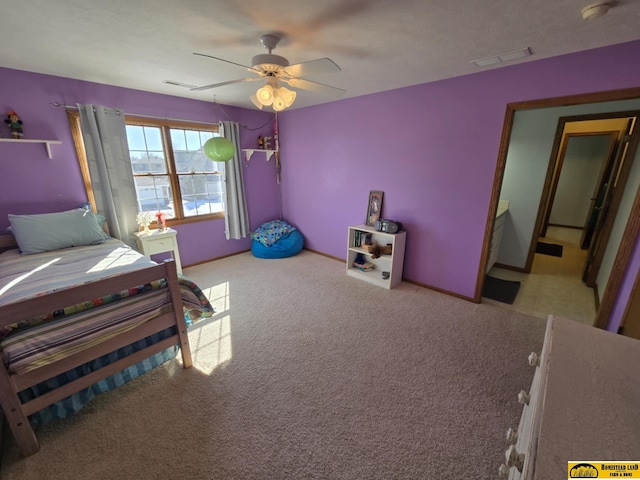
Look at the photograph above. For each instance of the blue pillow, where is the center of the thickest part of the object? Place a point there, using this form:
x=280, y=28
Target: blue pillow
x=52, y=231
x=270, y=232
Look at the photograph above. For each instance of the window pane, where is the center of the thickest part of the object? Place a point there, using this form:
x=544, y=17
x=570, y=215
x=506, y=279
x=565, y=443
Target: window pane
x=135, y=138
x=153, y=136
x=201, y=194
x=193, y=140
x=145, y=150
x=178, y=142
x=154, y=194
x=143, y=162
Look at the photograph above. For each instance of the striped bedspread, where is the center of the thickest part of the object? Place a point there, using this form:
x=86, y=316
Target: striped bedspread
x=30, y=343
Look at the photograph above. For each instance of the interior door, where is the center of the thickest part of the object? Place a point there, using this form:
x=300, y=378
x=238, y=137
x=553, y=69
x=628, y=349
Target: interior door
x=598, y=196
x=617, y=178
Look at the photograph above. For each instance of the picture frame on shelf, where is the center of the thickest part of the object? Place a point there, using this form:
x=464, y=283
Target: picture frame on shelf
x=374, y=208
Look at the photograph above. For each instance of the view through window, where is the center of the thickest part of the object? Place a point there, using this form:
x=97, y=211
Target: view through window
x=172, y=174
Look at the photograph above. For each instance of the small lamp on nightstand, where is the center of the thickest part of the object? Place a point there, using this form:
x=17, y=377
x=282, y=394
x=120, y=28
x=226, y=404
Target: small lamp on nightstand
x=144, y=219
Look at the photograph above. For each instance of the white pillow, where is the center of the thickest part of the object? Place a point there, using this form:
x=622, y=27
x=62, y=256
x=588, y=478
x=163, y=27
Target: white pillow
x=52, y=231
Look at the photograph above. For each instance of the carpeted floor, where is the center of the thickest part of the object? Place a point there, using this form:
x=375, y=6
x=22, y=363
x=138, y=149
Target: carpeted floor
x=307, y=373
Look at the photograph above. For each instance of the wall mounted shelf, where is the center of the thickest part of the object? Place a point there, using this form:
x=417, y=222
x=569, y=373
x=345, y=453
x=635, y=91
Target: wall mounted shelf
x=250, y=151
x=48, y=143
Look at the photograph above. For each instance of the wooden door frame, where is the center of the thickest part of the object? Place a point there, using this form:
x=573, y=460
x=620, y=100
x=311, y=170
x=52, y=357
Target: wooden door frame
x=559, y=164
x=633, y=225
x=635, y=291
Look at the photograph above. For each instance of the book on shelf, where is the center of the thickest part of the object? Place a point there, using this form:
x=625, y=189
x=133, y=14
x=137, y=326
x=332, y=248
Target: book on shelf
x=365, y=267
x=360, y=238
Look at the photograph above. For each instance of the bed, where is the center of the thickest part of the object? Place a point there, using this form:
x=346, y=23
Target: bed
x=81, y=320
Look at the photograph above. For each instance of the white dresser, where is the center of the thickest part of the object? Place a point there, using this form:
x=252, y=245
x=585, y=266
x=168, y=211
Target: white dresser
x=583, y=404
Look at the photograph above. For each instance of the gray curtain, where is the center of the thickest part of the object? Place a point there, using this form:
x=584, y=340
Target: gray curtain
x=236, y=218
x=105, y=141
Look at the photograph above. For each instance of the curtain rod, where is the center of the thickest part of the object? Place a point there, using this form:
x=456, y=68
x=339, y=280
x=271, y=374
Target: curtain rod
x=216, y=105
x=74, y=107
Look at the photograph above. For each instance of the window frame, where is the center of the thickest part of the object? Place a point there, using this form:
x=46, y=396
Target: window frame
x=165, y=125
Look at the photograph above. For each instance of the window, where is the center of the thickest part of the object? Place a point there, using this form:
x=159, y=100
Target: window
x=170, y=170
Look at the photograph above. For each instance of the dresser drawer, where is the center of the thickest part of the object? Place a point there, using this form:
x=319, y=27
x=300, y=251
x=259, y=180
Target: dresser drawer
x=529, y=420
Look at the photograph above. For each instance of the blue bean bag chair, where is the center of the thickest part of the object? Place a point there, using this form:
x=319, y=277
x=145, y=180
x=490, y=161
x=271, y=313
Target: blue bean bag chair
x=276, y=239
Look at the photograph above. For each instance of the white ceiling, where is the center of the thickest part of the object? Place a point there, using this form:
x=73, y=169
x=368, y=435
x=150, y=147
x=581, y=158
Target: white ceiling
x=379, y=44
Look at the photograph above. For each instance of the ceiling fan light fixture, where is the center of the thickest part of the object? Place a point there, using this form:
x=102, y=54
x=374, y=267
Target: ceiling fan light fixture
x=279, y=104
x=255, y=101
x=265, y=95
x=287, y=95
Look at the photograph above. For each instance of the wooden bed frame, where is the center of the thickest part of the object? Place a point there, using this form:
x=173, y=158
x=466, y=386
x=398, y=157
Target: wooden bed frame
x=16, y=412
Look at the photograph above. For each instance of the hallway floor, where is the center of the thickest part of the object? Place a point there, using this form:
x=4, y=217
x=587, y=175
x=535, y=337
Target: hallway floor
x=554, y=285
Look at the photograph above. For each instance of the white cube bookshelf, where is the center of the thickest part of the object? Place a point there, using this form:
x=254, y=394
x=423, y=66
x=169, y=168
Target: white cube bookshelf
x=392, y=263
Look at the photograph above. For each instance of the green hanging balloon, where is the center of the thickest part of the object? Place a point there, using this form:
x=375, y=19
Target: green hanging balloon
x=219, y=149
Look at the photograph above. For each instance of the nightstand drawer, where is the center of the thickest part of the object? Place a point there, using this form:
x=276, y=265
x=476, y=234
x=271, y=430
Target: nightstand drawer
x=158, y=245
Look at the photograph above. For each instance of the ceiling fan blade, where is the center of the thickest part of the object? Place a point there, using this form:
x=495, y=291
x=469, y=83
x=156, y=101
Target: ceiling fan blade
x=222, y=84
x=250, y=69
x=312, y=67
x=315, y=87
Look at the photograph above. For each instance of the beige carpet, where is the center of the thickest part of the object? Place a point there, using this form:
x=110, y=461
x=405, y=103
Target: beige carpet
x=307, y=373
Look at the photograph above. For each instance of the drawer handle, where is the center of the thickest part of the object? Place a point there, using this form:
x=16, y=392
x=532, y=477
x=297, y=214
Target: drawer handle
x=512, y=436
x=513, y=458
x=503, y=471
x=534, y=360
x=524, y=397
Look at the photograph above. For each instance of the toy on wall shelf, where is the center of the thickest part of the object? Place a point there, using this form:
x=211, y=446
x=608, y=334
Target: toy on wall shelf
x=260, y=142
x=15, y=124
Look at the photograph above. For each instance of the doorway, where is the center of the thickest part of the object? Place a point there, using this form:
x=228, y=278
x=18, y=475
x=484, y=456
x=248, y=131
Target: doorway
x=583, y=103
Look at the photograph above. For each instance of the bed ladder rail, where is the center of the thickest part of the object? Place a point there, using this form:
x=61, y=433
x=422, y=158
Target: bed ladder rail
x=16, y=418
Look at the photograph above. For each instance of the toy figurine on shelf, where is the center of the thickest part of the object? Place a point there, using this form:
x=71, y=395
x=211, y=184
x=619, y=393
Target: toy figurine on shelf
x=267, y=142
x=260, y=142
x=15, y=124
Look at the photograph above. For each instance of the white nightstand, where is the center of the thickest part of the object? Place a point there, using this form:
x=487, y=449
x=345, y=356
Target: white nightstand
x=160, y=241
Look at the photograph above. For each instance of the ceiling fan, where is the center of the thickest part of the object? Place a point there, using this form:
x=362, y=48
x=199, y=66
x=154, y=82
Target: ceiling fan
x=274, y=69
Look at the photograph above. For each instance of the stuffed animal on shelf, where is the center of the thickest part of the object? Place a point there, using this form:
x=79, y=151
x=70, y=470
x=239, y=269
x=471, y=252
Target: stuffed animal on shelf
x=15, y=124
x=376, y=250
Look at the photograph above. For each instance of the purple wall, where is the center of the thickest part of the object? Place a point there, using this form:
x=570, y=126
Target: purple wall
x=432, y=149
x=30, y=182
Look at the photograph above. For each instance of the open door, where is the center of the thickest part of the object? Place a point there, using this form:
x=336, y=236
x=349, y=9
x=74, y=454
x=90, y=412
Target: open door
x=611, y=195
x=597, y=198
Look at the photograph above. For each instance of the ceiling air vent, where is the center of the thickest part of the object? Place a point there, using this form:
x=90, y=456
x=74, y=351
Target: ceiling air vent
x=503, y=57
x=178, y=84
